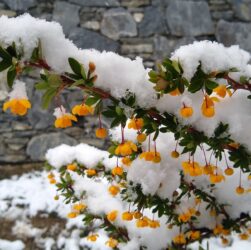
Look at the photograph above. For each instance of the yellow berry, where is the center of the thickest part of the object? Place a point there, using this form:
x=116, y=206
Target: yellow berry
x=126, y=161
x=72, y=215
x=117, y=171
x=229, y=171
x=141, y=137
x=71, y=167
x=50, y=176
x=137, y=215
x=91, y=172
x=243, y=236
x=239, y=190
x=52, y=181
x=128, y=216
x=112, y=243
x=112, y=215
x=186, y=112
x=79, y=206
x=92, y=237
x=56, y=197
x=101, y=133
x=175, y=154
x=113, y=190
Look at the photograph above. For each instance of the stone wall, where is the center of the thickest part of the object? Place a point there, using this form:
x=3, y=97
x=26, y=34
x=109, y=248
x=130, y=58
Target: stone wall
x=150, y=29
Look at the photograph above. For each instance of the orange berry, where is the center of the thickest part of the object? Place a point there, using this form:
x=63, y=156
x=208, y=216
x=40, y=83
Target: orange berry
x=52, y=181
x=50, y=176
x=224, y=241
x=175, y=154
x=112, y=243
x=229, y=171
x=79, y=206
x=179, y=239
x=113, y=190
x=72, y=215
x=137, y=215
x=117, y=171
x=126, y=161
x=17, y=106
x=186, y=112
x=239, y=190
x=92, y=237
x=141, y=137
x=101, y=133
x=141, y=223
x=127, y=216
x=71, y=167
x=92, y=67
x=82, y=110
x=154, y=224
x=112, y=215
x=91, y=172
x=243, y=236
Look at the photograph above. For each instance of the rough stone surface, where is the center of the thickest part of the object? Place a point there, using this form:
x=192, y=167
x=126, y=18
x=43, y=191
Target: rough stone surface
x=118, y=23
x=137, y=48
x=189, y=18
x=230, y=33
x=134, y=3
x=20, y=4
x=242, y=9
x=153, y=22
x=96, y=3
x=87, y=39
x=67, y=14
x=38, y=145
x=93, y=25
x=8, y=13
x=164, y=46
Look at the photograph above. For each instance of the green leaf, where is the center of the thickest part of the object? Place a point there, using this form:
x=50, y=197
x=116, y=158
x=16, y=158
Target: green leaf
x=42, y=85
x=92, y=100
x=198, y=80
x=78, y=82
x=243, y=79
x=211, y=84
x=54, y=80
x=109, y=113
x=176, y=66
x=4, y=65
x=47, y=97
x=76, y=67
x=119, y=111
x=5, y=55
x=116, y=122
x=11, y=75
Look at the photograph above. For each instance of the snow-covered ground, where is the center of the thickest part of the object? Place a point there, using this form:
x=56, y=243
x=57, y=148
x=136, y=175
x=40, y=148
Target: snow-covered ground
x=24, y=197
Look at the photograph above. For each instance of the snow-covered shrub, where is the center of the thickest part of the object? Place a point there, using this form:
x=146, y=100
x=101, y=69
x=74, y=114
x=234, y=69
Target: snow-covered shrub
x=178, y=166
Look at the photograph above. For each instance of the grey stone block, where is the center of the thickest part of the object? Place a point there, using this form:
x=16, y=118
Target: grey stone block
x=67, y=15
x=38, y=145
x=118, y=23
x=153, y=22
x=20, y=4
x=97, y=3
x=230, y=33
x=189, y=18
x=87, y=39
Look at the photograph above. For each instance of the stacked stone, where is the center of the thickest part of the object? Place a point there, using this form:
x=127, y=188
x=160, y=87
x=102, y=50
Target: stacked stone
x=151, y=29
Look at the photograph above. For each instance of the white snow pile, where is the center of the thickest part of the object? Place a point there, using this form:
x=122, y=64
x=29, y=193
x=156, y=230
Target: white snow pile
x=11, y=245
x=161, y=179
